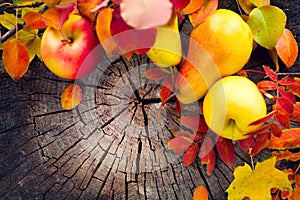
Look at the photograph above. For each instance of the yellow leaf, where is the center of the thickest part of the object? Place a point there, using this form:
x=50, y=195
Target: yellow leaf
x=15, y=58
x=256, y=184
x=8, y=20
x=71, y=96
x=31, y=40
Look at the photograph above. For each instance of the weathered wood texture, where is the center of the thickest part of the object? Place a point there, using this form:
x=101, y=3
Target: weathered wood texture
x=111, y=146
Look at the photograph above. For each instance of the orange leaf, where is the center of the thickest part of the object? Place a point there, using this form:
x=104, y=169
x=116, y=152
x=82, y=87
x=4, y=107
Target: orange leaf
x=56, y=16
x=34, y=20
x=295, y=87
x=156, y=73
x=15, y=58
x=287, y=48
x=246, y=5
x=208, y=155
x=179, y=144
x=103, y=31
x=296, y=192
x=285, y=105
x=270, y=73
x=51, y=2
x=289, y=139
x=226, y=151
x=71, y=96
x=275, y=130
x=290, y=97
x=166, y=89
x=246, y=144
x=282, y=117
x=264, y=119
x=194, y=122
x=295, y=116
x=262, y=141
x=207, y=8
x=287, y=155
x=193, y=6
x=85, y=7
x=190, y=155
x=267, y=85
x=200, y=193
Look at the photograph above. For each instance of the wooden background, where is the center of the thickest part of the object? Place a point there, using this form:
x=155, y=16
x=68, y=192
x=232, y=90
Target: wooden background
x=111, y=146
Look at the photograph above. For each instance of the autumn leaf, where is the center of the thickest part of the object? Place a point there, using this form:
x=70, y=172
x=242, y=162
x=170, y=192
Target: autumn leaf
x=290, y=139
x=8, y=20
x=193, y=6
x=194, y=122
x=285, y=105
x=286, y=81
x=58, y=14
x=274, y=57
x=246, y=5
x=51, y=2
x=246, y=144
x=286, y=155
x=295, y=116
x=267, y=85
x=295, y=87
x=15, y=58
x=30, y=38
x=260, y=3
x=267, y=24
x=207, y=8
x=180, y=4
x=226, y=151
x=275, y=129
x=282, y=117
x=200, y=193
x=270, y=73
x=287, y=95
x=190, y=155
x=166, y=89
x=156, y=73
x=85, y=8
x=208, y=155
x=257, y=183
x=179, y=144
x=71, y=97
x=296, y=193
x=34, y=20
x=150, y=13
x=287, y=48
x=261, y=142
x=264, y=119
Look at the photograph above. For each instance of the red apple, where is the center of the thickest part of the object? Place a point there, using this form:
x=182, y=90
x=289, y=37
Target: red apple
x=73, y=51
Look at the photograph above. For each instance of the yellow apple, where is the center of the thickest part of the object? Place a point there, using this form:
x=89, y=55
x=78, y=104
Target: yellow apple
x=220, y=46
x=73, y=51
x=231, y=104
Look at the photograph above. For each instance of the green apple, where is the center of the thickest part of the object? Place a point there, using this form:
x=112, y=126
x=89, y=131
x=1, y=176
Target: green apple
x=231, y=104
x=73, y=51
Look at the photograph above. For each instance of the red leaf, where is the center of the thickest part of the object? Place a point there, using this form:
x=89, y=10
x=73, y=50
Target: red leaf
x=289, y=139
x=285, y=105
x=275, y=130
x=129, y=39
x=180, y=4
x=183, y=134
x=179, y=144
x=267, y=85
x=286, y=81
x=194, y=122
x=200, y=193
x=190, y=155
x=287, y=48
x=282, y=118
x=34, y=20
x=142, y=14
x=262, y=141
x=226, y=151
x=287, y=95
x=156, y=73
x=246, y=144
x=208, y=155
x=295, y=116
x=264, y=119
x=56, y=16
x=15, y=58
x=166, y=89
x=270, y=73
x=295, y=87
x=208, y=7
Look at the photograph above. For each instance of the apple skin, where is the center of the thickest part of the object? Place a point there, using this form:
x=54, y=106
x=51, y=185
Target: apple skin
x=231, y=104
x=76, y=57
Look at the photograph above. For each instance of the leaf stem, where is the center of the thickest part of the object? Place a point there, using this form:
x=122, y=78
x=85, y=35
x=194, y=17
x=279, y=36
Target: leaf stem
x=238, y=5
x=252, y=163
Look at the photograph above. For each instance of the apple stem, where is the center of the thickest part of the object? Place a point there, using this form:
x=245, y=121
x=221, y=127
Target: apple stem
x=67, y=40
x=161, y=107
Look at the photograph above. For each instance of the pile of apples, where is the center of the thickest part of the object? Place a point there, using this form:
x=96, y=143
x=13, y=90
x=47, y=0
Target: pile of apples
x=218, y=48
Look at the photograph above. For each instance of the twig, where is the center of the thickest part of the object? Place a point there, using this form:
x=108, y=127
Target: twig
x=33, y=5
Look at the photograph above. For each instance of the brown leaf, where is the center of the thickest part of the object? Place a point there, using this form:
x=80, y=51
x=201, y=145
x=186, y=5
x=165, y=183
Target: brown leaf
x=71, y=96
x=15, y=58
x=273, y=55
x=34, y=20
x=295, y=87
x=200, y=193
x=246, y=5
x=289, y=139
x=56, y=16
x=179, y=144
x=287, y=48
x=226, y=151
x=267, y=85
x=156, y=73
x=295, y=116
x=207, y=8
x=262, y=141
x=190, y=155
x=270, y=73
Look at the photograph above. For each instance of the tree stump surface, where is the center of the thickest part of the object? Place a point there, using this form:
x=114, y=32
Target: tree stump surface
x=112, y=146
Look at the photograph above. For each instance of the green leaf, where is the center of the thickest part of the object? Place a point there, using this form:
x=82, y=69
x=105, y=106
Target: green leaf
x=267, y=24
x=260, y=3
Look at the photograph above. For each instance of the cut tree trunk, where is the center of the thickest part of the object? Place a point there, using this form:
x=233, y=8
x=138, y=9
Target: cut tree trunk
x=112, y=146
